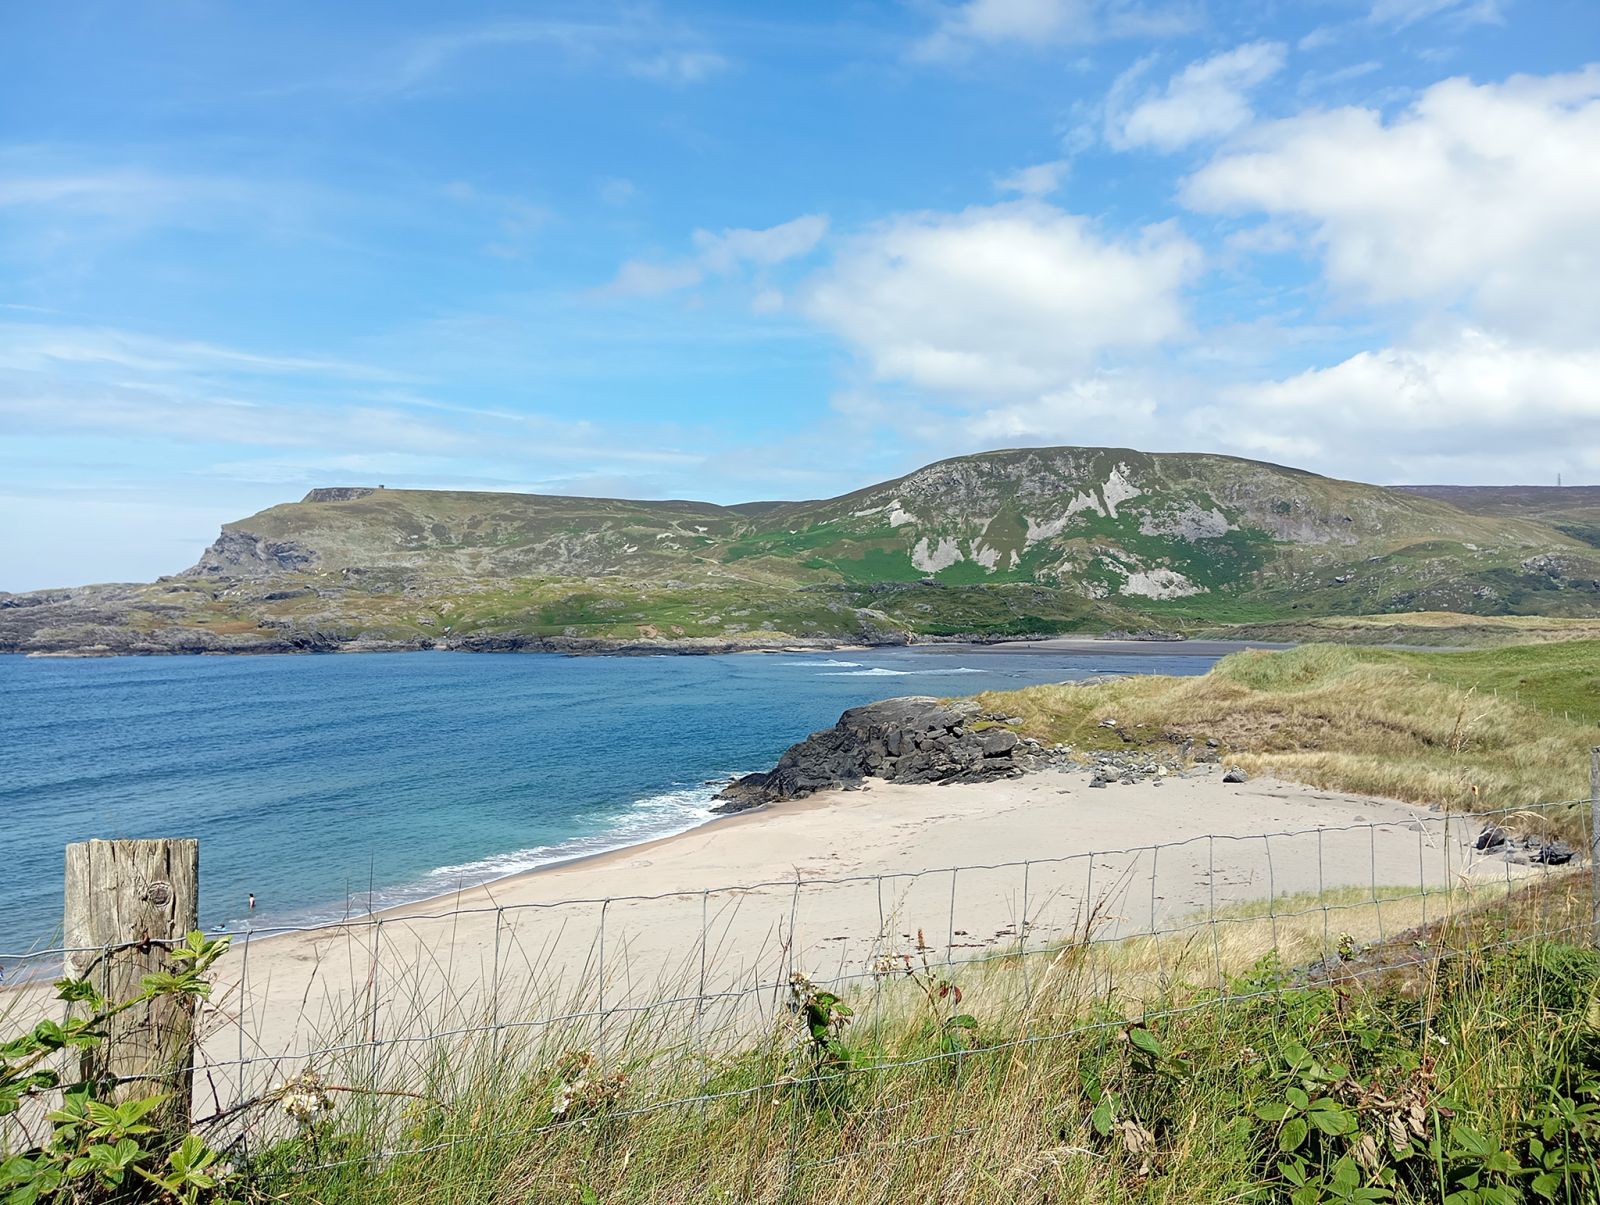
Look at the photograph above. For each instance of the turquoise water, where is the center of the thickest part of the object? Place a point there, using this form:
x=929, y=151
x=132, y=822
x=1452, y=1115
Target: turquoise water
x=325, y=785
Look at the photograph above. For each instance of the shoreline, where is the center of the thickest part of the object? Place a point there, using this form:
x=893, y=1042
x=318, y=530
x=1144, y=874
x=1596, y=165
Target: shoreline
x=829, y=885
x=705, y=926
x=599, y=647
x=482, y=896
x=452, y=902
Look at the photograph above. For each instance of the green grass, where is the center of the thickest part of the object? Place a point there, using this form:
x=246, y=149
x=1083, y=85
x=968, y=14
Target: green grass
x=1426, y=628
x=1560, y=678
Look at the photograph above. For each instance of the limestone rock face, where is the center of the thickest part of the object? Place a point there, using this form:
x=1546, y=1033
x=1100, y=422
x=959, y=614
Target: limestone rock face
x=909, y=740
x=242, y=554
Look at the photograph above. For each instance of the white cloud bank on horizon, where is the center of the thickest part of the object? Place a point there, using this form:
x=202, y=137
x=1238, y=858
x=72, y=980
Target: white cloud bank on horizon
x=1475, y=209
x=1461, y=394
x=1482, y=194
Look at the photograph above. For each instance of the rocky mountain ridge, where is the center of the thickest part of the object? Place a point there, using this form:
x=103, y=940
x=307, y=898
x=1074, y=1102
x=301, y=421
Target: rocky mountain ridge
x=1033, y=541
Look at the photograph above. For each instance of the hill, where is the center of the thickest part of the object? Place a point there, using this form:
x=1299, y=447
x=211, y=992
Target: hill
x=1573, y=510
x=1009, y=543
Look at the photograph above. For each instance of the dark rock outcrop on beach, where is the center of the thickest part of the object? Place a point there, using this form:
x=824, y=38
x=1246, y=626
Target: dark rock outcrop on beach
x=1529, y=850
x=910, y=740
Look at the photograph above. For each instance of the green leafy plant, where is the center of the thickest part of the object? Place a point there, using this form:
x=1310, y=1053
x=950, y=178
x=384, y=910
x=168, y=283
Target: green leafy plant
x=1563, y=1143
x=98, y=1147
x=1129, y=1091
x=954, y=1031
x=825, y=1057
x=825, y=1016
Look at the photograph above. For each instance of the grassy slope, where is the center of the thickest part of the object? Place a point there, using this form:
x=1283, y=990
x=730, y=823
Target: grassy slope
x=1573, y=509
x=1424, y=728
x=1477, y=1019
x=1298, y=541
x=1013, y=1123
x=1428, y=628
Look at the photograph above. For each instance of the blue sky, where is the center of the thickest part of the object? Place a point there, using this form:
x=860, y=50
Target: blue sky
x=737, y=251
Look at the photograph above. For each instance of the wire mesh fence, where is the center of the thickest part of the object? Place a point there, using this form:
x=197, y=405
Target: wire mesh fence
x=665, y=988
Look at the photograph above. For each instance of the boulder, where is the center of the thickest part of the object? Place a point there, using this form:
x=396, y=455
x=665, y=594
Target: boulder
x=1234, y=774
x=999, y=743
x=910, y=740
x=1554, y=853
x=1493, y=837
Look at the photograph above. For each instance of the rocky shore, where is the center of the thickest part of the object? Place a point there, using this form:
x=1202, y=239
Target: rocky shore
x=190, y=617
x=919, y=740
x=910, y=740
x=137, y=621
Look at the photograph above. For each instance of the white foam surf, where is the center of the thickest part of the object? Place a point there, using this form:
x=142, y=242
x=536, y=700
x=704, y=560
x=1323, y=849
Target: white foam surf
x=647, y=819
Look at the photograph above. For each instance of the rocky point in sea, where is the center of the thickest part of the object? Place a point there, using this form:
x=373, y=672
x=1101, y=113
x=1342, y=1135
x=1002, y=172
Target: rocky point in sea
x=920, y=739
x=911, y=740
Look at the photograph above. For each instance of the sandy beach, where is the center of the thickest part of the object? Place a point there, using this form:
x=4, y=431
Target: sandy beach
x=1102, y=645
x=712, y=921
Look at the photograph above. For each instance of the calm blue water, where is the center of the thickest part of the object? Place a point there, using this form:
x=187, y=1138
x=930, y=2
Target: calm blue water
x=325, y=784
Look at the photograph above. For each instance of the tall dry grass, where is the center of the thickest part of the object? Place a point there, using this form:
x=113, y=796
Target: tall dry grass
x=900, y=1113
x=1327, y=716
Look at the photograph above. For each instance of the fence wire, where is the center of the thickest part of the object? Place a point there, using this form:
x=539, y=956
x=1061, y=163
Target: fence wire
x=661, y=982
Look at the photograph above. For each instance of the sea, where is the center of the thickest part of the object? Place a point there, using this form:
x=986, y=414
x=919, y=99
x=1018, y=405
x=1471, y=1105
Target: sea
x=328, y=786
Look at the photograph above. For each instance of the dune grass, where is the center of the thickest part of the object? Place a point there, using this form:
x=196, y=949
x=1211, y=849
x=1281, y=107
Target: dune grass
x=1092, y=1072
x=1422, y=728
x=1428, y=628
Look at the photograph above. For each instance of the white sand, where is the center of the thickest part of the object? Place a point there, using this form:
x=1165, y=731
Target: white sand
x=827, y=886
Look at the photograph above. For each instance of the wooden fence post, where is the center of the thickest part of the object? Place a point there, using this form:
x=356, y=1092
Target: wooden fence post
x=126, y=901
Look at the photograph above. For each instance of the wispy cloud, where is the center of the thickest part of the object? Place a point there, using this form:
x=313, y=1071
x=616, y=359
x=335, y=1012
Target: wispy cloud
x=37, y=347
x=515, y=220
x=1206, y=99
x=971, y=24
x=678, y=66
x=1321, y=81
x=724, y=253
x=1401, y=13
x=633, y=44
x=102, y=382
x=1036, y=180
x=56, y=193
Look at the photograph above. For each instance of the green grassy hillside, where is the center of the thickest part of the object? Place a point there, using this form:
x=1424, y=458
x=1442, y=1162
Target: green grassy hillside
x=1024, y=542
x=1433, y=628
x=1573, y=510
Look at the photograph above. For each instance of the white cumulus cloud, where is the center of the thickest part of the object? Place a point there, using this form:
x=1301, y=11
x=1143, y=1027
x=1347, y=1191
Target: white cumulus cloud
x=1469, y=396
x=1478, y=195
x=1007, y=298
